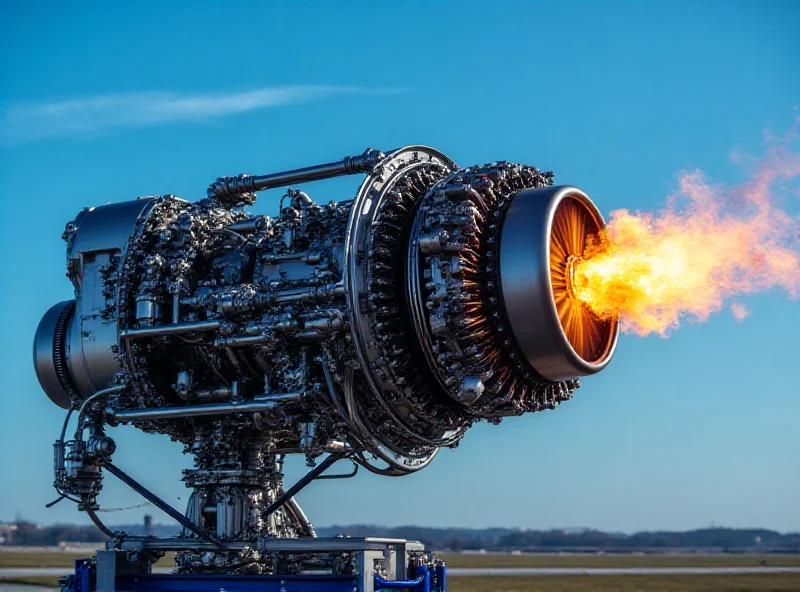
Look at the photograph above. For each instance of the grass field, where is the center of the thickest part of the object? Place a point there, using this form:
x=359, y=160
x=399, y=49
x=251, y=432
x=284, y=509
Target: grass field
x=55, y=559
x=620, y=560
x=720, y=583
x=631, y=583
x=66, y=559
x=37, y=559
x=733, y=583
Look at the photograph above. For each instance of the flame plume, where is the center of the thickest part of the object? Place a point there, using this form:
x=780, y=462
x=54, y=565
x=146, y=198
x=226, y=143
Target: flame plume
x=706, y=247
x=588, y=334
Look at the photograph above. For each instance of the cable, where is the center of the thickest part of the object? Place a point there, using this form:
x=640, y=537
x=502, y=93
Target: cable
x=67, y=496
x=66, y=422
x=55, y=501
x=99, y=523
x=125, y=508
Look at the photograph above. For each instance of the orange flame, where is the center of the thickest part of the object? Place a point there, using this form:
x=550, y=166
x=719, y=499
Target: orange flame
x=707, y=246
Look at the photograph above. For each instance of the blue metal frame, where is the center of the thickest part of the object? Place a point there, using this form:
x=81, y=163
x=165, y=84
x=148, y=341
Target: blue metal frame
x=233, y=583
x=85, y=580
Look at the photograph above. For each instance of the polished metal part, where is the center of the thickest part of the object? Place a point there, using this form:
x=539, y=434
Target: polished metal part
x=159, y=503
x=257, y=405
x=527, y=285
x=380, y=328
x=49, y=354
x=226, y=187
x=174, y=329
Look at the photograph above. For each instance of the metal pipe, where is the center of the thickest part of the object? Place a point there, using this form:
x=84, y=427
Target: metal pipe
x=308, y=478
x=82, y=413
x=263, y=403
x=160, y=504
x=309, y=294
x=176, y=307
x=248, y=225
x=240, y=340
x=311, y=257
x=281, y=397
x=295, y=509
x=140, y=543
x=99, y=523
x=384, y=584
x=349, y=165
x=173, y=329
x=352, y=473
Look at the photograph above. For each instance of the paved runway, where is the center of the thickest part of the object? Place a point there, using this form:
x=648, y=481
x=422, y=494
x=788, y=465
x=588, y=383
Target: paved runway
x=21, y=572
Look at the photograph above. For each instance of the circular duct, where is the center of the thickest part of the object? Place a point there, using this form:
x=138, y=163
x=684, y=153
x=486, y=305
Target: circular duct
x=50, y=354
x=543, y=236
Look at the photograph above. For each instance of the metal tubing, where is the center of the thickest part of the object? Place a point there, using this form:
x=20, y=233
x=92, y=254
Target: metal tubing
x=99, y=523
x=173, y=329
x=308, y=478
x=257, y=405
x=295, y=508
x=99, y=394
x=248, y=225
x=384, y=584
x=161, y=504
x=349, y=165
x=341, y=475
x=310, y=294
x=240, y=340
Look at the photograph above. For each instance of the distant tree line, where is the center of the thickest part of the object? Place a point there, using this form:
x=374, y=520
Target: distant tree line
x=29, y=534
x=507, y=539
x=465, y=539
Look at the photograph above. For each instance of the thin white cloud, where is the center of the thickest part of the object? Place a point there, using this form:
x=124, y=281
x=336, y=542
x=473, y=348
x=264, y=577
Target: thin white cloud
x=93, y=115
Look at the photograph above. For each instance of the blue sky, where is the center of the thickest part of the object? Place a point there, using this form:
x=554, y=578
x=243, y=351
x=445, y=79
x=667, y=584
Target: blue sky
x=104, y=102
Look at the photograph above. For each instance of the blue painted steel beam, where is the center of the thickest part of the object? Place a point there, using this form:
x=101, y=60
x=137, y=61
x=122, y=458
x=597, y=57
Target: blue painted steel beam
x=233, y=583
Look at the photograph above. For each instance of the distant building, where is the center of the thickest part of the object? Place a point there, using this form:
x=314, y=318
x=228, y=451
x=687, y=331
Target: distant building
x=7, y=532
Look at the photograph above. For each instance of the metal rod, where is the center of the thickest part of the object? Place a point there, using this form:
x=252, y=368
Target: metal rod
x=311, y=294
x=161, y=504
x=308, y=478
x=349, y=165
x=140, y=543
x=173, y=329
x=259, y=404
x=241, y=340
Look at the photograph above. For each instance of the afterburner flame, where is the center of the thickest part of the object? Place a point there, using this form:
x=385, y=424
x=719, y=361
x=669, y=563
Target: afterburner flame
x=709, y=245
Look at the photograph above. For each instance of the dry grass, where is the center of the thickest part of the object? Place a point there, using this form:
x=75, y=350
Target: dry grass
x=620, y=560
x=38, y=559
x=626, y=583
x=717, y=583
x=55, y=559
